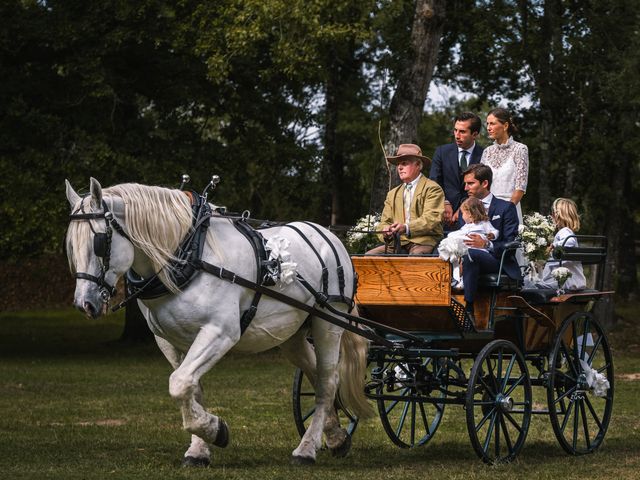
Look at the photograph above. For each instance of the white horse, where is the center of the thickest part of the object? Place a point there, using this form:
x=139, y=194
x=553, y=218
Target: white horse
x=197, y=326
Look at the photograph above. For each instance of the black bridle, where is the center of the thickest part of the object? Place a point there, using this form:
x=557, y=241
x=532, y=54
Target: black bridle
x=101, y=246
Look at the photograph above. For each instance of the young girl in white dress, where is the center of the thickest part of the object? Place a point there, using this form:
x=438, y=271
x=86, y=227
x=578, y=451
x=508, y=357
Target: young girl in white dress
x=565, y=215
x=476, y=221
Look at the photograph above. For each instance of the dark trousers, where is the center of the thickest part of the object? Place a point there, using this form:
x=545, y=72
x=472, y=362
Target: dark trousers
x=475, y=263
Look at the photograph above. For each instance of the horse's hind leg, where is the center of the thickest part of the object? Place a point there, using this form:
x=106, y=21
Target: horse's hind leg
x=327, y=349
x=198, y=454
x=299, y=351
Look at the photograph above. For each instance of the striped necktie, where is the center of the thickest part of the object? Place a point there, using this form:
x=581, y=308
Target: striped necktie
x=463, y=160
x=406, y=196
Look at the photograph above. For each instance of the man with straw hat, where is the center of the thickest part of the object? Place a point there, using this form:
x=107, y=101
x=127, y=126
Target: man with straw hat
x=414, y=208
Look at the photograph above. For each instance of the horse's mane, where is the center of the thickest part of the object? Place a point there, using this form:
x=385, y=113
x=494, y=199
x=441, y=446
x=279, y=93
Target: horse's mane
x=157, y=220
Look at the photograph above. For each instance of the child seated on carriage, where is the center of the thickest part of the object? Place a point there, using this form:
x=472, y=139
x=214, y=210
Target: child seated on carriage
x=565, y=215
x=476, y=220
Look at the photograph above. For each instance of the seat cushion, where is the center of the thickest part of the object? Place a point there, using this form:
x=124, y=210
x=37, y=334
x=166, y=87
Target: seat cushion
x=491, y=280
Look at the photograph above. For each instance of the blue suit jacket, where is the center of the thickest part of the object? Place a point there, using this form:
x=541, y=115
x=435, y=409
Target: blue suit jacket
x=445, y=171
x=504, y=217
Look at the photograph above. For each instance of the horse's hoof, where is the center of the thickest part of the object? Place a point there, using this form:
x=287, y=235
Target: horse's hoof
x=302, y=461
x=222, y=437
x=201, y=462
x=342, y=450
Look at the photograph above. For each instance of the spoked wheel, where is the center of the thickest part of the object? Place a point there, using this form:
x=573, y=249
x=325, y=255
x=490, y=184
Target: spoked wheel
x=401, y=390
x=580, y=390
x=304, y=398
x=498, y=403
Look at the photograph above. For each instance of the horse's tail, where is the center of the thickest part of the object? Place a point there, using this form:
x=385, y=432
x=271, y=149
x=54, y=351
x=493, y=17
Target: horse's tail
x=353, y=373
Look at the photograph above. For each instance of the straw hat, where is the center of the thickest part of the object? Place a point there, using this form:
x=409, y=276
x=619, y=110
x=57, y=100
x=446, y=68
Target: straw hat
x=407, y=151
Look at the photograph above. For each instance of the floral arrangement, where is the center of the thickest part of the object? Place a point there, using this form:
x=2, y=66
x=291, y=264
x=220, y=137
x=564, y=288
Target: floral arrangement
x=561, y=274
x=536, y=234
x=359, y=238
x=285, y=270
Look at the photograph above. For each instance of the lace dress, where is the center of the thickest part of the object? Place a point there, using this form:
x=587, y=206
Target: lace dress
x=510, y=165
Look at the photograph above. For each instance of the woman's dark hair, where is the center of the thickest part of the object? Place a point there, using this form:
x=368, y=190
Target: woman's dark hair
x=504, y=116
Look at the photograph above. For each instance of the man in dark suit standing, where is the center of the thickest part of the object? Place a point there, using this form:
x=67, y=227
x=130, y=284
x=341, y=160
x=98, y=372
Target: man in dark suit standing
x=449, y=161
x=504, y=217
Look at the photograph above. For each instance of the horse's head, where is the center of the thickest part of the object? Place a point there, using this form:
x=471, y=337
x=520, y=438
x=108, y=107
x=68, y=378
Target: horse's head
x=98, y=248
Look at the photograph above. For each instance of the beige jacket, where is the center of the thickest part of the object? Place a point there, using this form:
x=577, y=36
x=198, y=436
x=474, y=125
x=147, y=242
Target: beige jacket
x=427, y=208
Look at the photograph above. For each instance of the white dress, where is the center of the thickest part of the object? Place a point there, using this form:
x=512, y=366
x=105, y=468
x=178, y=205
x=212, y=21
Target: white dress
x=577, y=280
x=509, y=163
x=483, y=229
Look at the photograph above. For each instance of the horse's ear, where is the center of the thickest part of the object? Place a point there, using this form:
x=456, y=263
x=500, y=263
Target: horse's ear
x=72, y=196
x=96, y=193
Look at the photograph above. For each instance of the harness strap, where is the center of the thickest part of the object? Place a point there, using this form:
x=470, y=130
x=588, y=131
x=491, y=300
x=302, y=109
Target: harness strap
x=325, y=272
x=257, y=244
x=350, y=324
x=335, y=253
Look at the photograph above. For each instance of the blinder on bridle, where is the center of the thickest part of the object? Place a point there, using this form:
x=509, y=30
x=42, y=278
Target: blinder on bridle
x=101, y=246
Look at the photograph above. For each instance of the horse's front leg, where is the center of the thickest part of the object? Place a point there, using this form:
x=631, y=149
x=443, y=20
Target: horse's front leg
x=198, y=453
x=208, y=348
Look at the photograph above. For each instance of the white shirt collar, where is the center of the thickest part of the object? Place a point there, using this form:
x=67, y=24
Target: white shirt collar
x=414, y=182
x=486, y=201
x=470, y=149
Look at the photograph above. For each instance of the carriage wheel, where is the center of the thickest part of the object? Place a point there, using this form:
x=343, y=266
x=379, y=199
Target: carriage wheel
x=579, y=408
x=304, y=405
x=498, y=403
x=407, y=418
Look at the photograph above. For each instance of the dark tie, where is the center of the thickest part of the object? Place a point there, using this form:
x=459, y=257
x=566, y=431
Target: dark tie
x=463, y=159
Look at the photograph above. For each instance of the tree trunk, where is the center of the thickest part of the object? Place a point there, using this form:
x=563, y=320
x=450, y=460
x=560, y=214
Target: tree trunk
x=332, y=158
x=407, y=104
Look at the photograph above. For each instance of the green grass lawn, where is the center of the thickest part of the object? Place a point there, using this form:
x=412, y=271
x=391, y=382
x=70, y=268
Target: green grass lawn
x=75, y=403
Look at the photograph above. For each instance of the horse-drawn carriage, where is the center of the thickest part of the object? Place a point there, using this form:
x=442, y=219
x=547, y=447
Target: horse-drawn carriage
x=533, y=351
x=207, y=286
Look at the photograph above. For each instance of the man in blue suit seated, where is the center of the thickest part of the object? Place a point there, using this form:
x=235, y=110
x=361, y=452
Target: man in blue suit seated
x=503, y=216
x=450, y=160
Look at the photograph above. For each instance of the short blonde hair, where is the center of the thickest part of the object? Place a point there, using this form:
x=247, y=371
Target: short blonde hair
x=565, y=212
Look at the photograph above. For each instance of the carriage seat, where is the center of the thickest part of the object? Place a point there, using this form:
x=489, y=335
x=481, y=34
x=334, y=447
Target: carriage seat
x=494, y=280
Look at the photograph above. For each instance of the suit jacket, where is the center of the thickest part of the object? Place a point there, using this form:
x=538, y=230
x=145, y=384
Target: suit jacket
x=504, y=217
x=427, y=207
x=446, y=172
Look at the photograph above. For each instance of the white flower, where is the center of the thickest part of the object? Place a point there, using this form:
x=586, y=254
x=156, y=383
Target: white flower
x=288, y=272
x=520, y=229
x=596, y=380
x=277, y=246
x=561, y=273
x=542, y=242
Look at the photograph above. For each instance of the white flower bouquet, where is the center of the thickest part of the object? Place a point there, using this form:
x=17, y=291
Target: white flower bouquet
x=561, y=274
x=536, y=234
x=360, y=237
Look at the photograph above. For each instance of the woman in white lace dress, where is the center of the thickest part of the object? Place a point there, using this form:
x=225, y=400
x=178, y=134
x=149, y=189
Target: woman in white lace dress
x=508, y=159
